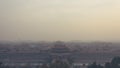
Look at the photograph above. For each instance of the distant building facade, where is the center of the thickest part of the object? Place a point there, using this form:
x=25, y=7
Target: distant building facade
x=60, y=51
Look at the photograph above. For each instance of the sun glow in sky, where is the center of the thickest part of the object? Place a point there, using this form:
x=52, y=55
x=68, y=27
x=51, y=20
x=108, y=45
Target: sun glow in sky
x=50, y=20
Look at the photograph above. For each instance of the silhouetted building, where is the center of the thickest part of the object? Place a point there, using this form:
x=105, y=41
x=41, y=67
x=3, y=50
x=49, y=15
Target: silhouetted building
x=60, y=51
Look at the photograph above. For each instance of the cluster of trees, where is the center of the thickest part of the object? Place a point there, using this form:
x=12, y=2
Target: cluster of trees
x=57, y=64
x=115, y=63
x=94, y=65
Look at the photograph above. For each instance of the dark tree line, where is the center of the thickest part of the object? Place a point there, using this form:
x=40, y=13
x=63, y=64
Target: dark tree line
x=115, y=63
x=57, y=64
x=94, y=65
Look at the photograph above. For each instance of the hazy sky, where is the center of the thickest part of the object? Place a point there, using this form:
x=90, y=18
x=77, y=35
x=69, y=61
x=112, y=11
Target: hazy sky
x=65, y=20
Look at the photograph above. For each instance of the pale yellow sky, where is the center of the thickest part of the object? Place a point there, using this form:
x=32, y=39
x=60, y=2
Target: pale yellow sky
x=51, y=20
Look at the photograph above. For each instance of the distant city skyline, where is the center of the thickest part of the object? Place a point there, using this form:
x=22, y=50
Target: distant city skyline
x=64, y=20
